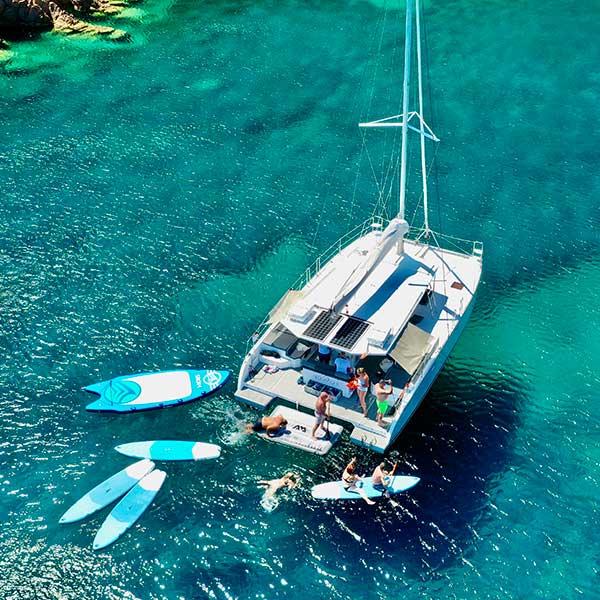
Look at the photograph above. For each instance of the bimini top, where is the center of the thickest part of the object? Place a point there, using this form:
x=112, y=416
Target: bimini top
x=362, y=299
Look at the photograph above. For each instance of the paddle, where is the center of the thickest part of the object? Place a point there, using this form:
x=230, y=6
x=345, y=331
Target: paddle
x=387, y=494
x=327, y=433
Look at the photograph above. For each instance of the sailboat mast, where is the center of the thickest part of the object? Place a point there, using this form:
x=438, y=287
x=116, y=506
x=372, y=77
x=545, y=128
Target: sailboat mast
x=405, y=94
x=422, y=128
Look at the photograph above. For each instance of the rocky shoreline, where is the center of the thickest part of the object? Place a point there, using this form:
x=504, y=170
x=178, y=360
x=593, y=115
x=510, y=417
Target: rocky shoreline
x=65, y=16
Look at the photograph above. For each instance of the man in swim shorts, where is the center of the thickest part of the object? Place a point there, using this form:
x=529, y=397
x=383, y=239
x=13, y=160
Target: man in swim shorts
x=268, y=425
x=322, y=412
x=382, y=479
x=382, y=394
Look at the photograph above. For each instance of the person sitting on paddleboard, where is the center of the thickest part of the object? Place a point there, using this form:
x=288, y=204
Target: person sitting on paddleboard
x=289, y=480
x=322, y=412
x=350, y=480
x=382, y=478
x=268, y=425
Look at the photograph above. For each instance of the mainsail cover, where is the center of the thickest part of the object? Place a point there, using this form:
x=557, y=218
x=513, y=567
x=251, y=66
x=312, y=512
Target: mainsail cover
x=393, y=233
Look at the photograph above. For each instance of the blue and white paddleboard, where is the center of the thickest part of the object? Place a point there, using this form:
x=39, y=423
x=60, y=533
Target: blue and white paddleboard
x=334, y=490
x=170, y=450
x=108, y=491
x=129, y=510
x=154, y=390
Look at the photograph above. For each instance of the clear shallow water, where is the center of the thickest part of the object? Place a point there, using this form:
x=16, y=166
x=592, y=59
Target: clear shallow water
x=158, y=197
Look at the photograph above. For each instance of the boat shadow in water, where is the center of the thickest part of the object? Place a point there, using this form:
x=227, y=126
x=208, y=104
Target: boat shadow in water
x=459, y=443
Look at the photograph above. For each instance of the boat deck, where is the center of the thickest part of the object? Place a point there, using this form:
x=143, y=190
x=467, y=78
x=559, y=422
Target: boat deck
x=264, y=387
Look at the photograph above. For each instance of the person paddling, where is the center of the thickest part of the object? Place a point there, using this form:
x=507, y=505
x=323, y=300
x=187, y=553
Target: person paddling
x=382, y=480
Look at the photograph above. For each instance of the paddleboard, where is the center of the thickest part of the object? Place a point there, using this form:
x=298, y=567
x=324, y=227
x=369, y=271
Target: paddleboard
x=129, y=510
x=298, y=432
x=170, y=450
x=145, y=391
x=107, y=491
x=334, y=490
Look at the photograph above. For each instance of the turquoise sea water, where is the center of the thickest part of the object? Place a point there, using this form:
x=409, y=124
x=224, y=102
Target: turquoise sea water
x=157, y=198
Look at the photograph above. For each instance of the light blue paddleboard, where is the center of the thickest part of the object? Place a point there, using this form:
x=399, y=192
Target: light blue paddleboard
x=145, y=391
x=129, y=510
x=334, y=490
x=108, y=491
x=170, y=450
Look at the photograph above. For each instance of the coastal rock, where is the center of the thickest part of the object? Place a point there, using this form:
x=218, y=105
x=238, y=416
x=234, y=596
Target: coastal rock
x=25, y=14
x=65, y=22
x=91, y=7
x=61, y=15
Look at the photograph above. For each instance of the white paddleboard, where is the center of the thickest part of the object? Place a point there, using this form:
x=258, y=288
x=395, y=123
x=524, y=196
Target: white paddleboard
x=334, y=490
x=170, y=450
x=107, y=491
x=129, y=510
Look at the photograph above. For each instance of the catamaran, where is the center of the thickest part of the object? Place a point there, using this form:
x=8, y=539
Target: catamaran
x=386, y=297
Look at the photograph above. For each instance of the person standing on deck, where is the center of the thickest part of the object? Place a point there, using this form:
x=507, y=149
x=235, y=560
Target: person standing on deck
x=342, y=364
x=382, y=394
x=362, y=389
x=322, y=412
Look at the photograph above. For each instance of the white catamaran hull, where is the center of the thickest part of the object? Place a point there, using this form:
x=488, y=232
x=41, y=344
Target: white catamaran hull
x=387, y=302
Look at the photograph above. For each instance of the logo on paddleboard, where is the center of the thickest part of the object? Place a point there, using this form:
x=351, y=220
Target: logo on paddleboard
x=211, y=379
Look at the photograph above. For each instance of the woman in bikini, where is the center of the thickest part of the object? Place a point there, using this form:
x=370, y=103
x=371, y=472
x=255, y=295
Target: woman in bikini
x=350, y=480
x=363, y=388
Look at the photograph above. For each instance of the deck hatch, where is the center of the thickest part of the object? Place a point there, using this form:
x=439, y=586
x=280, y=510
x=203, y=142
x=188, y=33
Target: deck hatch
x=320, y=328
x=349, y=333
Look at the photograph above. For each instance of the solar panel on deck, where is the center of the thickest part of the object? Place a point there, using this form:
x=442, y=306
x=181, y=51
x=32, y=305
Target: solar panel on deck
x=322, y=325
x=349, y=333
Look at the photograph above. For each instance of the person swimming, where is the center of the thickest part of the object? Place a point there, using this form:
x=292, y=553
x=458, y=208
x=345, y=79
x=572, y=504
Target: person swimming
x=290, y=480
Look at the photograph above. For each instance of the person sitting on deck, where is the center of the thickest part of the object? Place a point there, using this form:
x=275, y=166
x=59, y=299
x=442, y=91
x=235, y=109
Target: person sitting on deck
x=322, y=412
x=350, y=480
x=342, y=364
x=269, y=425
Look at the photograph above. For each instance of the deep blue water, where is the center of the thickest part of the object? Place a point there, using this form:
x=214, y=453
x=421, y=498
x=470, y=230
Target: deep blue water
x=157, y=198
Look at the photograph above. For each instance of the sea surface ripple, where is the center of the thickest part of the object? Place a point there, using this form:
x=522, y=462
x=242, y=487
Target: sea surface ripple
x=157, y=198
